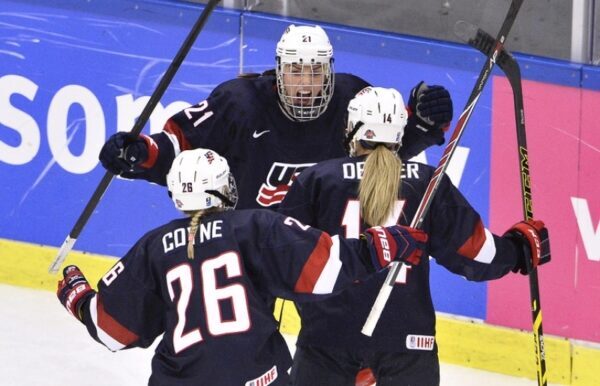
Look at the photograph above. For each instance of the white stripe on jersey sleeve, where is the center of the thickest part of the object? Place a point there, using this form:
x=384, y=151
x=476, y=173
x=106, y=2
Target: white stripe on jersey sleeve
x=488, y=249
x=331, y=271
x=174, y=141
x=106, y=339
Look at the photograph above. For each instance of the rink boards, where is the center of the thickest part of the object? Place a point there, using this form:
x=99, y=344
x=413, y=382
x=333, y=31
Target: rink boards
x=69, y=78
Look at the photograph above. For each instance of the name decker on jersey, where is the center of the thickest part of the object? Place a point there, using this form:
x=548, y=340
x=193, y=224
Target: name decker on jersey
x=354, y=170
x=280, y=178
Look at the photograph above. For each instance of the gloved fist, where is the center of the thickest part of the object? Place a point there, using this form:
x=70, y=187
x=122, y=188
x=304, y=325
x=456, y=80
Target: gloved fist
x=124, y=152
x=533, y=236
x=430, y=107
x=72, y=289
x=395, y=243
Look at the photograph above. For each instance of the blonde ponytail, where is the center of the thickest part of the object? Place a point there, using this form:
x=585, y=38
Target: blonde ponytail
x=379, y=186
x=195, y=217
x=194, y=223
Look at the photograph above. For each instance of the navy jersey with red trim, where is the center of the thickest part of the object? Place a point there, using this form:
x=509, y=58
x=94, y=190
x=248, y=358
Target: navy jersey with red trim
x=215, y=309
x=243, y=121
x=325, y=196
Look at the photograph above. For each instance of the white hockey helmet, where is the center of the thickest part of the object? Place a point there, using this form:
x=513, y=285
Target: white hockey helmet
x=200, y=179
x=305, y=78
x=376, y=115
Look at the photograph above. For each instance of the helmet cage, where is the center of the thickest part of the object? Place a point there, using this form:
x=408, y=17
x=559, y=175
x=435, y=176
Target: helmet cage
x=304, y=72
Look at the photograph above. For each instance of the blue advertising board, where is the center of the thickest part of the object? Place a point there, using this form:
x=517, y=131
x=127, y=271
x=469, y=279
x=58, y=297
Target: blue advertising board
x=71, y=74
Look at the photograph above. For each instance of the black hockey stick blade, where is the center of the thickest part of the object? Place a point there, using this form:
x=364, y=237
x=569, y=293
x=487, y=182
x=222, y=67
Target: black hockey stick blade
x=386, y=289
x=481, y=40
x=185, y=48
x=484, y=43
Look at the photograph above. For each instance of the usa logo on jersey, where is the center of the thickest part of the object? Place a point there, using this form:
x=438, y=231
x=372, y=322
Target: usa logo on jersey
x=280, y=178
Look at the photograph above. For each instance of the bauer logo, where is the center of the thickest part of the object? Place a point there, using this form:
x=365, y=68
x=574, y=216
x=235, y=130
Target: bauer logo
x=420, y=342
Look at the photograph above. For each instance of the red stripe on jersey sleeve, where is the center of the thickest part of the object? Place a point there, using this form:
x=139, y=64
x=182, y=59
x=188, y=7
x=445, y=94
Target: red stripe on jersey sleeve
x=174, y=129
x=113, y=328
x=314, y=265
x=473, y=245
x=152, y=152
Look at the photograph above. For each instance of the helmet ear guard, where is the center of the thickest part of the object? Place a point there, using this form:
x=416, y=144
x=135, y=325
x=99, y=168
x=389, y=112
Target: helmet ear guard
x=304, y=72
x=200, y=179
x=376, y=116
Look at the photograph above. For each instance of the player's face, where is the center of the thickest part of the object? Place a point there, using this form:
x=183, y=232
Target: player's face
x=303, y=83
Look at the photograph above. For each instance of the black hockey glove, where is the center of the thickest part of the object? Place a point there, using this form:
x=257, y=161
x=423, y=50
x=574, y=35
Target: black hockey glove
x=429, y=115
x=430, y=108
x=532, y=235
x=395, y=243
x=72, y=289
x=124, y=152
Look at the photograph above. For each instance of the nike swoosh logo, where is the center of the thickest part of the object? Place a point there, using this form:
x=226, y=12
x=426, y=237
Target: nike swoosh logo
x=257, y=134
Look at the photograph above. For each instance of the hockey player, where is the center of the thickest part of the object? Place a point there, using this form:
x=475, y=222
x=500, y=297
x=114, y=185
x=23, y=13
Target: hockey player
x=343, y=196
x=273, y=126
x=205, y=282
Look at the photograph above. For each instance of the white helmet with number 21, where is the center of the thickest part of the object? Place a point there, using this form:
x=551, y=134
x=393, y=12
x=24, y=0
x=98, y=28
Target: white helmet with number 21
x=305, y=78
x=200, y=179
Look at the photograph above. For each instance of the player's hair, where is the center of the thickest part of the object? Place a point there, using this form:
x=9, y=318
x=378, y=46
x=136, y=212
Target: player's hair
x=195, y=217
x=378, y=189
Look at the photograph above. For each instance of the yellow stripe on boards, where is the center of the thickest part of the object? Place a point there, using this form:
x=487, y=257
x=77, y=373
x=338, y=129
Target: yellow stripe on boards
x=26, y=265
x=586, y=358
x=500, y=349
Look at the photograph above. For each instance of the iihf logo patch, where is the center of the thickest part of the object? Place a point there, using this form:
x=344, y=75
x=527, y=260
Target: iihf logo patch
x=420, y=342
x=264, y=380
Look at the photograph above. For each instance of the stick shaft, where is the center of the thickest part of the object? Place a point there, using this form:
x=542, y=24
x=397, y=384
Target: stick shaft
x=69, y=242
x=433, y=185
x=511, y=69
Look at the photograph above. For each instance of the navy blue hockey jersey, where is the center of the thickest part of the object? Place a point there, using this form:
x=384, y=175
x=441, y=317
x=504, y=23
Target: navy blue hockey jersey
x=325, y=196
x=243, y=121
x=213, y=309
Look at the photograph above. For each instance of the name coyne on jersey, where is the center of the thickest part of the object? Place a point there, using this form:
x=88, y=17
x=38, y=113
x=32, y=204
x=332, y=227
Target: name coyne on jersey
x=178, y=237
x=354, y=170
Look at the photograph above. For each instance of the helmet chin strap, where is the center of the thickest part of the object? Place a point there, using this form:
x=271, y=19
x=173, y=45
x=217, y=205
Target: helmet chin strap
x=221, y=196
x=370, y=145
x=350, y=136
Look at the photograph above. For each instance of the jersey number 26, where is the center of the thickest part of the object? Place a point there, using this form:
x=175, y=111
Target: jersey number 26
x=234, y=294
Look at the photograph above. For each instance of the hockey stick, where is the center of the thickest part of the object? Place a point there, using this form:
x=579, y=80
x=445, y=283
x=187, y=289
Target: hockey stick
x=483, y=41
x=137, y=128
x=417, y=222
